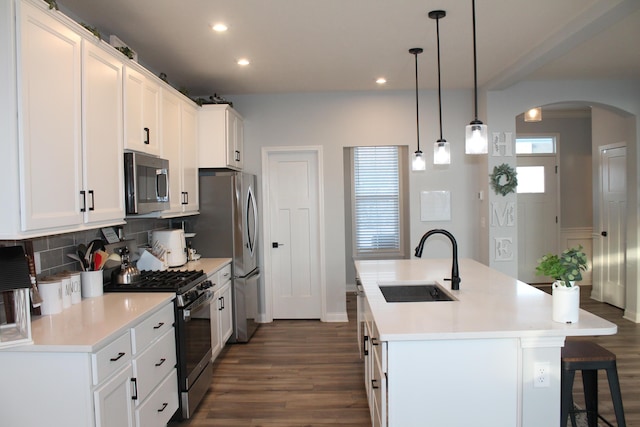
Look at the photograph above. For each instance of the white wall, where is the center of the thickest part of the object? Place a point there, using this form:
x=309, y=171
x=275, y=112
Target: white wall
x=337, y=120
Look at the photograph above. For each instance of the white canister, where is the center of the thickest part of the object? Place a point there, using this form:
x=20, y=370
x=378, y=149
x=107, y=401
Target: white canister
x=566, y=303
x=91, y=282
x=51, y=292
x=65, y=282
x=76, y=289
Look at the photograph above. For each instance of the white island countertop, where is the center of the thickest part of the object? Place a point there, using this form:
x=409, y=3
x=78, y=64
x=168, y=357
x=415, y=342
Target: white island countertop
x=92, y=323
x=489, y=304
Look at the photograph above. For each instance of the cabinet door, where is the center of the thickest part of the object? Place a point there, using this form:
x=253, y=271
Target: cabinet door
x=50, y=148
x=234, y=127
x=226, y=313
x=189, y=141
x=113, y=401
x=102, y=135
x=216, y=304
x=171, y=147
x=141, y=113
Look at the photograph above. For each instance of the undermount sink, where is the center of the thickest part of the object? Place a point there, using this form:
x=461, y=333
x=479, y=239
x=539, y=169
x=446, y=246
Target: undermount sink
x=415, y=293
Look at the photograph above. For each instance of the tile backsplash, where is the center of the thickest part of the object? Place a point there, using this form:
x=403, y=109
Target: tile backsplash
x=53, y=250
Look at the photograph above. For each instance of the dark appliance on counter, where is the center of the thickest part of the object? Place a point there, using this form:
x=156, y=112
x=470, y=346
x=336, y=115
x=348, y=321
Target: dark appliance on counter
x=192, y=327
x=227, y=227
x=146, y=183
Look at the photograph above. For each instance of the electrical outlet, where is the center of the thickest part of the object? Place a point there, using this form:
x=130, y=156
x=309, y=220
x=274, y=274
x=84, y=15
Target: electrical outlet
x=150, y=237
x=541, y=374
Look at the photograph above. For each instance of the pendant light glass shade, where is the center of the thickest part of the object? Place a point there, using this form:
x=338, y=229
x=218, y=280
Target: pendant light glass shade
x=441, y=153
x=476, y=140
x=417, y=164
x=533, y=115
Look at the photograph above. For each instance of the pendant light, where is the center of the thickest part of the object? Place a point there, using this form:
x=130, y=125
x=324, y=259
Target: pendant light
x=417, y=164
x=533, y=115
x=441, y=148
x=476, y=141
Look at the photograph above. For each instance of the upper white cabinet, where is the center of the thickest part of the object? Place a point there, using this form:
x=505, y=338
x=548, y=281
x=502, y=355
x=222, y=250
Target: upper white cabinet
x=102, y=135
x=50, y=121
x=220, y=137
x=179, y=146
x=142, y=104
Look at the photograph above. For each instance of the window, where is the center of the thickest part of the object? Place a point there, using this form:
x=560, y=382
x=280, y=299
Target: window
x=536, y=145
x=530, y=179
x=377, y=202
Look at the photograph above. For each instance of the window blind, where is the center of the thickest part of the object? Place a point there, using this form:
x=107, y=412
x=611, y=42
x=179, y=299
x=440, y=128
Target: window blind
x=376, y=195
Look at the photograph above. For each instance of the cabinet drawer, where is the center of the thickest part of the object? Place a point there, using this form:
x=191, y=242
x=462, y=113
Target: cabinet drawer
x=154, y=363
x=224, y=274
x=161, y=405
x=152, y=328
x=111, y=358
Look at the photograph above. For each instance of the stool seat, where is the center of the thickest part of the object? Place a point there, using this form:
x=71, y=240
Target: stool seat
x=588, y=357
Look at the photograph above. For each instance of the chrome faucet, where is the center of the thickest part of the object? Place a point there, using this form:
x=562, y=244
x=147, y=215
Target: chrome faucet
x=455, y=275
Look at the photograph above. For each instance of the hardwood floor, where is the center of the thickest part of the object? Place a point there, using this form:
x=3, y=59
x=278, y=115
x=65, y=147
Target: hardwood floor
x=291, y=373
x=308, y=373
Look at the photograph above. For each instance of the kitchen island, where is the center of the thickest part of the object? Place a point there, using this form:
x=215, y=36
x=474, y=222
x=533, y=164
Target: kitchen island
x=490, y=357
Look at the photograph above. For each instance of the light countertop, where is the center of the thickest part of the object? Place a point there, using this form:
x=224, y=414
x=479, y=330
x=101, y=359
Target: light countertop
x=489, y=304
x=92, y=323
x=208, y=265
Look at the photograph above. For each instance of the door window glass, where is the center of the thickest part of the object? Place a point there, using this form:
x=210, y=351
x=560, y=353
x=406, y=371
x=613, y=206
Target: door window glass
x=530, y=179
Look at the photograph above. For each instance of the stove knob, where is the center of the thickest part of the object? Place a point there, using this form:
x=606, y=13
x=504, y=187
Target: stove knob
x=206, y=284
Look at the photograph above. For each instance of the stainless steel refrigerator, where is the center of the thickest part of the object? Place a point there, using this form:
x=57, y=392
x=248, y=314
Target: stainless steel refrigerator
x=227, y=227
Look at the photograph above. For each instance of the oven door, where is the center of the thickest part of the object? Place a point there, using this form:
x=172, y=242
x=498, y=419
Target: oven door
x=194, y=339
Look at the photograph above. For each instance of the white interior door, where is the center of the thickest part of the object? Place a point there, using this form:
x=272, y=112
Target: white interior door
x=613, y=169
x=537, y=213
x=293, y=230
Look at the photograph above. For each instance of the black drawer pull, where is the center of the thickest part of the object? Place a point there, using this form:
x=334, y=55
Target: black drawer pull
x=134, y=392
x=161, y=362
x=374, y=384
x=164, y=406
x=113, y=359
x=159, y=325
x=374, y=341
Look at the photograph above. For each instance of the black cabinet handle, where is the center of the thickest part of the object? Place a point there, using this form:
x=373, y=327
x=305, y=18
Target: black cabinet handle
x=237, y=156
x=134, y=393
x=364, y=344
x=161, y=362
x=113, y=359
x=164, y=405
x=603, y=233
x=146, y=135
x=374, y=341
x=83, y=200
x=374, y=384
x=91, y=196
x=159, y=325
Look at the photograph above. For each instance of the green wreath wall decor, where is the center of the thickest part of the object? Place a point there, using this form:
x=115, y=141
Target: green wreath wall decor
x=504, y=179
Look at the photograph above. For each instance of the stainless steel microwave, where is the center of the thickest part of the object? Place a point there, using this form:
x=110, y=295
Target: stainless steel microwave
x=146, y=183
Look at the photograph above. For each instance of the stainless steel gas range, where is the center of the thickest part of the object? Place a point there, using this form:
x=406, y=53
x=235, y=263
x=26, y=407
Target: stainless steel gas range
x=193, y=328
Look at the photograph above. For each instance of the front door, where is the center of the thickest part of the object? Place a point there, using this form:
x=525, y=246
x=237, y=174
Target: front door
x=293, y=229
x=613, y=171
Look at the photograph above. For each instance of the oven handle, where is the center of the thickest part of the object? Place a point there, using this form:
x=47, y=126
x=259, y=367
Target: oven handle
x=203, y=299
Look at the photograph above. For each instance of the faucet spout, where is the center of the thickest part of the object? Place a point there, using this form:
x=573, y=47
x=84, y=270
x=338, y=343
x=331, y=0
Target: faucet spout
x=455, y=275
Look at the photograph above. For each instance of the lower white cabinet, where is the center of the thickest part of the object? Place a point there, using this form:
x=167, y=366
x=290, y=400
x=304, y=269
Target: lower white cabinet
x=221, y=310
x=129, y=382
x=374, y=353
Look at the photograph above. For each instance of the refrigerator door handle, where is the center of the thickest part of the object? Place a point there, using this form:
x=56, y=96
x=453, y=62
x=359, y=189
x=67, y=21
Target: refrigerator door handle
x=254, y=272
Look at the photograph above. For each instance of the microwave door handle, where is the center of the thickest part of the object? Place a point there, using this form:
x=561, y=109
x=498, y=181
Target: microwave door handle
x=161, y=174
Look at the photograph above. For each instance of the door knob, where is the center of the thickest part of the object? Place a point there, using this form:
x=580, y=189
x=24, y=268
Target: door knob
x=275, y=245
x=603, y=233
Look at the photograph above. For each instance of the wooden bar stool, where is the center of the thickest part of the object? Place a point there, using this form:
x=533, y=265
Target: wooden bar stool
x=588, y=357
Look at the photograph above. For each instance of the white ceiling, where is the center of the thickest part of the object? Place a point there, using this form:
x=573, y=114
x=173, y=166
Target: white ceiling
x=344, y=45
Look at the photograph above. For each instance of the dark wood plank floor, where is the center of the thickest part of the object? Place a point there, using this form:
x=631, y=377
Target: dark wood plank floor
x=308, y=373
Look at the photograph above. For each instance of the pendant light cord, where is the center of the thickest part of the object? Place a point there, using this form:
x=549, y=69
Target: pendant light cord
x=475, y=59
x=417, y=104
x=439, y=87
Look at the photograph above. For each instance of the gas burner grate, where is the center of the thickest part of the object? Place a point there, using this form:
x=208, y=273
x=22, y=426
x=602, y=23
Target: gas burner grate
x=159, y=281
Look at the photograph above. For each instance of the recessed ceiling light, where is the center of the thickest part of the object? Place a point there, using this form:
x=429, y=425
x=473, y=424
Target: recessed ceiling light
x=220, y=27
x=381, y=80
x=243, y=61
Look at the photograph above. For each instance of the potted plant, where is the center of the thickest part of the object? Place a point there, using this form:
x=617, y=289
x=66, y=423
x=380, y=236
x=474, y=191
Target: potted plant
x=566, y=269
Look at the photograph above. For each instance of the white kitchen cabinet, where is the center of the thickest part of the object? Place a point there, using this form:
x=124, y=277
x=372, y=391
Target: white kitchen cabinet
x=179, y=146
x=61, y=159
x=374, y=353
x=220, y=137
x=102, y=138
x=130, y=381
x=141, y=112
x=221, y=310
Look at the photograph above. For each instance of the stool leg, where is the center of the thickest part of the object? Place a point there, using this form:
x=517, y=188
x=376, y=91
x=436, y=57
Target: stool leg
x=590, y=385
x=616, y=396
x=566, y=395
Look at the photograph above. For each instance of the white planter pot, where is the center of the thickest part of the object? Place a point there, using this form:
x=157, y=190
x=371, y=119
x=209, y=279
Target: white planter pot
x=566, y=303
